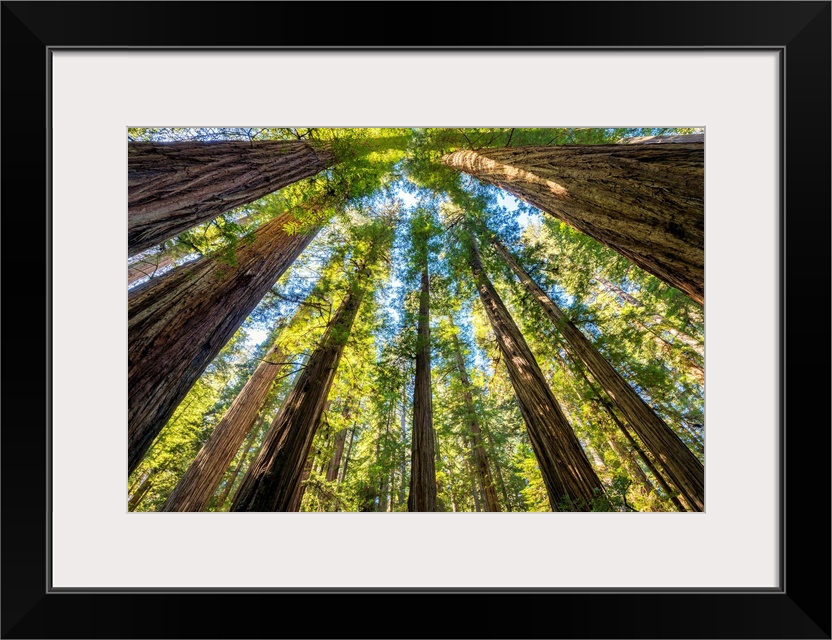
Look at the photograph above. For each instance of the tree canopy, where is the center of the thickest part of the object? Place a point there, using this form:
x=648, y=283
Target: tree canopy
x=436, y=341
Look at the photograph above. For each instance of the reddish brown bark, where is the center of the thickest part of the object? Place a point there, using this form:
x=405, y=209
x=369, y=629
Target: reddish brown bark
x=566, y=471
x=486, y=480
x=422, y=496
x=680, y=464
x=195, y=488
x=645, y=201
x=179, y=323
x=235, y=474
x=274, y=479
x=173, y=186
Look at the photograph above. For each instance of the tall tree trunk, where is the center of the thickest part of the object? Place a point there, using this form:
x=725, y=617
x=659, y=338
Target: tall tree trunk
x=181, y=322
x=174, y=186
x=347, y=457
x=246, y=451
x=274, y=477
x=686, y=137
x=335, y=462
x=403, y=460
x=645, y=201
x=195, y=488
x=473, y=425
x=300, y=488
x=498, y=471
x=566, y=472
x=680, y=464
x=422, y=496
x=392, y=485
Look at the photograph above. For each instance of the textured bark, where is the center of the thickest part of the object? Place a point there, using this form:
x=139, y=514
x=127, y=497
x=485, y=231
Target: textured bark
x=566, y=471
x=644, y=201
x=498, y=472
x=422, y=496
x=174, y=186
x=300, y=488
x=472, y=423
x=273, y=480
x=235, y=474
x=180, y=323
x=686, y=138
x=200, y=482
x=335, y=462
x=680, y=464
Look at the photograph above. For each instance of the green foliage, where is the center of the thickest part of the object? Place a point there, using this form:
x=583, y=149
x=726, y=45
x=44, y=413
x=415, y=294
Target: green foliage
x=388, y=207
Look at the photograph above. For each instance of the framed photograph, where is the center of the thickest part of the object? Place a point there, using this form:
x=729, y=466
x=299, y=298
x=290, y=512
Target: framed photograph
x=754, y=77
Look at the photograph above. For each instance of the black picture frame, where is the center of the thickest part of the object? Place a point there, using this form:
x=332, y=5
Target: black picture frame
x=800, y=608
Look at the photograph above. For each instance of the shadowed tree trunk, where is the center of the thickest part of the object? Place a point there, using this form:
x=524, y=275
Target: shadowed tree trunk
x=422, y=496
x=195, y=488
x=273, y=480
x=180, y=323
x=567, y=474
x=645, y=201
x=681, y=465
x=300, y=488
x=173, y=186
x=472, y=422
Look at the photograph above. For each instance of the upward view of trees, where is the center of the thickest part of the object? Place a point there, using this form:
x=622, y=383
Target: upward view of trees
x=490, y=320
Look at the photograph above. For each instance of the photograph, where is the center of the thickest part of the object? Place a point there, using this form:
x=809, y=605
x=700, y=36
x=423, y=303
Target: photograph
x=416, y=319
x=452, y=267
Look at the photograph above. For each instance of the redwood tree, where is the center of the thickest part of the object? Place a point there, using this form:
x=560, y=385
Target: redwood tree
x=681, y=465
x=645, y=201
x=173, y=186
x=195, y=488
x=473, y=424
x=571, y=482
x=422, y=495
x=273, y=482
x=179, y=322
